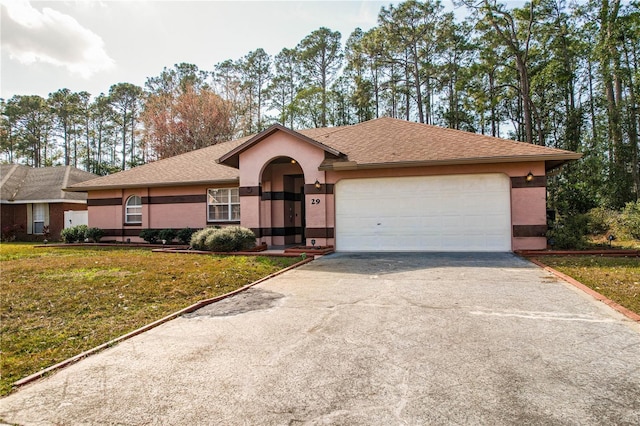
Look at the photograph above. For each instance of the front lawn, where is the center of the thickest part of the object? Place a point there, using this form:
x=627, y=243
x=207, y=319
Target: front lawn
x=617, y=278
x=59, y=302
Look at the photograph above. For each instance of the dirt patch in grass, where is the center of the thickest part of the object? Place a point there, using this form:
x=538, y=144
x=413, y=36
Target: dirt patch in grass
x=617, y=278
x=56, y=303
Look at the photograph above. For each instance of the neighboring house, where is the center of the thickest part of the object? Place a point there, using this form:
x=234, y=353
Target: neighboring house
x=381, y=185
x=32, y=200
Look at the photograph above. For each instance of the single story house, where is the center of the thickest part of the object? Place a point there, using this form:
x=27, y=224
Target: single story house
x=381, y=185
x=32, y=199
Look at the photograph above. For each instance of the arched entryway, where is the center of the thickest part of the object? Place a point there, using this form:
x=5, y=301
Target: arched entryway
x=282, y=213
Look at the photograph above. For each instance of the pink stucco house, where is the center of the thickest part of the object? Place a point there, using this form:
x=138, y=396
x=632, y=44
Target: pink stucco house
x=381, y=185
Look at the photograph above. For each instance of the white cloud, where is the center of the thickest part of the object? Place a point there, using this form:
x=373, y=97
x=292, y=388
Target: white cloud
x=51, y=37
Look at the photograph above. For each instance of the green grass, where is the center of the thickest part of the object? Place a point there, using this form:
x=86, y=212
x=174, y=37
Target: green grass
x=600, y=241
x=59, y=302
x=617, y=278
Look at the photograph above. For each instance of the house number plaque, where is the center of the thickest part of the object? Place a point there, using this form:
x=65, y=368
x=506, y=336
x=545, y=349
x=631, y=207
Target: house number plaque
x=315, y=201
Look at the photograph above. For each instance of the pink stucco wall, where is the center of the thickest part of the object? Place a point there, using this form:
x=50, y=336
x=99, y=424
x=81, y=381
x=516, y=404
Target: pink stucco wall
x=174, y=215
x=528, y=204
x=256, y=168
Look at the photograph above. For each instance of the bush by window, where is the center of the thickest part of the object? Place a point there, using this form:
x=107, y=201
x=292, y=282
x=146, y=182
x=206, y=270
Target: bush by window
x=232, y=238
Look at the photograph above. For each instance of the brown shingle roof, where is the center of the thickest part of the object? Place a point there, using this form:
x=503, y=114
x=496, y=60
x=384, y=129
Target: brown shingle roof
x=27, y=184
x=193, y=167
x=389, y=142
x=383, y=142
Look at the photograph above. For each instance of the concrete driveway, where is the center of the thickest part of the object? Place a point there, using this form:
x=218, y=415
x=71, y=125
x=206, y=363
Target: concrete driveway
x=363, y=339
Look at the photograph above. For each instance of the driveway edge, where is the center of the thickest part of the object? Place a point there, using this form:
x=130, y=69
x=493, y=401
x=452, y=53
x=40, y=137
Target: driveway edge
x=624, y=311
x=113, y=342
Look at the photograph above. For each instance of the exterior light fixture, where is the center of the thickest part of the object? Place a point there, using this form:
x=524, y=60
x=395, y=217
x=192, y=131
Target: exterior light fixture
x=529, y=177
x=293, y=161
x=317, y=185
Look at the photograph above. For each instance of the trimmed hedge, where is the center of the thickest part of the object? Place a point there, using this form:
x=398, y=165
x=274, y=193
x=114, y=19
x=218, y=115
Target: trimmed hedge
x=155, y=236
x=232, y=238
x=80, y=233
x=184, y=235
x=150, y=235
x=94, y=234
x=74, y=234
x=167, y=235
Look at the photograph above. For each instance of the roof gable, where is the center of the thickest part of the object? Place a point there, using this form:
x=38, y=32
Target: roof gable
x=232, y=157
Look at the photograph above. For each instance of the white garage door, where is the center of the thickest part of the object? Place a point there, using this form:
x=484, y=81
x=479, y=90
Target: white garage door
x=431, y=213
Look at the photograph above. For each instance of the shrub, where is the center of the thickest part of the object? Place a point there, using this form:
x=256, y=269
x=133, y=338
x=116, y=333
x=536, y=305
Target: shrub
x=569, y=233
x=150, y=235
x=602, y=220
x=630, y=220
x=9, y=232
x=219, y=241
x=167, y=235
x=184, y=235
x=46, y=233
x=199, y=237
x=232, y=238
x=94, y=234
x=74, y=234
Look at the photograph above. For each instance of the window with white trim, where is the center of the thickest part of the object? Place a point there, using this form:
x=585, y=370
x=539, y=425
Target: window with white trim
x=38, y=217
x=223, y=205
x=133, y=210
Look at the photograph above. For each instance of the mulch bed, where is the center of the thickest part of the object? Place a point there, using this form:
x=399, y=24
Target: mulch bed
x=310, y=250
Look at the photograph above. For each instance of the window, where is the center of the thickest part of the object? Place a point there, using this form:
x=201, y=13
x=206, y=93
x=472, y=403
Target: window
x=38, y=218
x=133, y=210
x=223, y=205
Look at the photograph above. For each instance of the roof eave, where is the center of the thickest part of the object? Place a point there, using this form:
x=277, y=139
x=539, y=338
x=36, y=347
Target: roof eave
x=152, y=185
x=43, y=201
x=557, y=159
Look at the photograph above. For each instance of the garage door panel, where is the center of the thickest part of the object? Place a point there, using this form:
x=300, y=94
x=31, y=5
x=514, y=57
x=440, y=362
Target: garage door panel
x=448, y=213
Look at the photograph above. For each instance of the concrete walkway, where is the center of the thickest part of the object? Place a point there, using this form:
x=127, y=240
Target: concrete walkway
x=363, y=339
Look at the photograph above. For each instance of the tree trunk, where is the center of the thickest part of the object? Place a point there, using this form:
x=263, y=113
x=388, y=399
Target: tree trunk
x=633, y=130
x=525, y=93
x=417, y=83
x=124, y=140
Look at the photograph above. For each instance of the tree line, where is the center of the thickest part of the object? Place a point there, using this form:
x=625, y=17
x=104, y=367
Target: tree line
x=552, y=73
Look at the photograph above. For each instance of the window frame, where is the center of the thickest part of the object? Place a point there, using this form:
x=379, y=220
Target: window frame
x=128, y=214
x=229, y=203
x=40, y=208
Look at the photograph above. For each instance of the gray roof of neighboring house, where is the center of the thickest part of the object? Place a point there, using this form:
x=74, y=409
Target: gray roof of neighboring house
x=22, y=184
x=381, y=143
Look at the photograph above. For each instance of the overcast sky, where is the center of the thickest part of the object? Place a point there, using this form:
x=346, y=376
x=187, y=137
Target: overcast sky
x=91, y=45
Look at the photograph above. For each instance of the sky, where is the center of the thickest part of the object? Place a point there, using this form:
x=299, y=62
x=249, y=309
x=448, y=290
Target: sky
x=89, y=45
